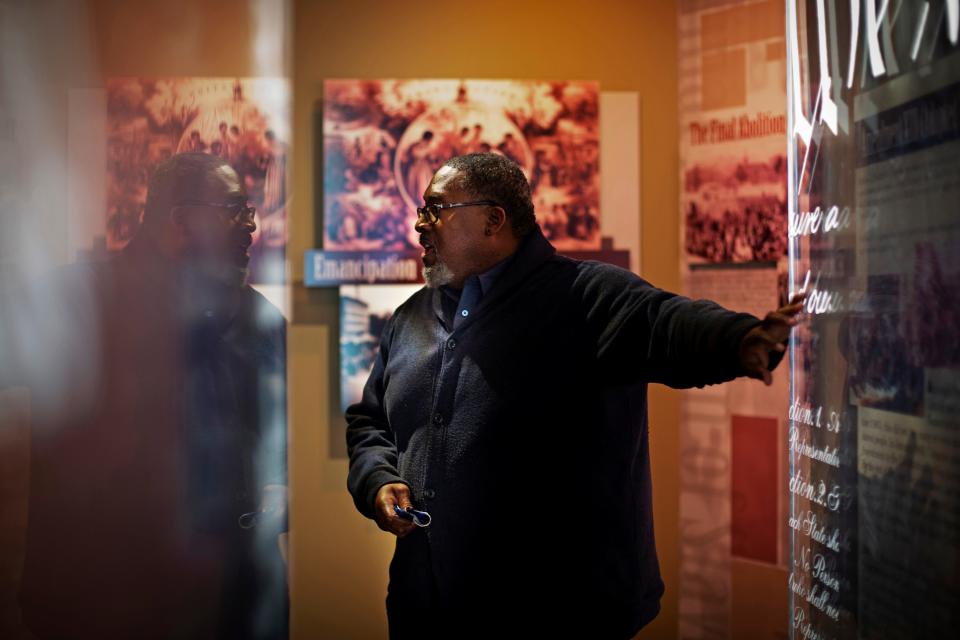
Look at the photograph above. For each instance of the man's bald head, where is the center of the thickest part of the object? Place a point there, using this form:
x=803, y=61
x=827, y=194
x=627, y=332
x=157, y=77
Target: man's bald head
x=182, y=177
x=197, y=214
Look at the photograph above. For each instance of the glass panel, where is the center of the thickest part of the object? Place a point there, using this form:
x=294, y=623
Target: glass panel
x=875, y=243
x=142, y=335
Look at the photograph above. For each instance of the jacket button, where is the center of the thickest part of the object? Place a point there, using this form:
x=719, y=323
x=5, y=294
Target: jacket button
x=451, y=344
x=429, y=494
x=438, y=418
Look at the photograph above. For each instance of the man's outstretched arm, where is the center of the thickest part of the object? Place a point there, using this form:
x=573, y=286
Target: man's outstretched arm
x=649, y=334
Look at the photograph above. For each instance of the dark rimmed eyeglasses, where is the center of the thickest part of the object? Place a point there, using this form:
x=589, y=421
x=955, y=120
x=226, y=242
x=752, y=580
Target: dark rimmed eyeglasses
x=237, y=211
x=431, y=212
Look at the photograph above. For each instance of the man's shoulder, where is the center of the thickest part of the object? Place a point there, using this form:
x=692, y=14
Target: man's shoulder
x=409, y=315
x=605, y=271
x=86, y=270
x=78, y=280
x=262, y=310
x=418, y=300
x=591, y=273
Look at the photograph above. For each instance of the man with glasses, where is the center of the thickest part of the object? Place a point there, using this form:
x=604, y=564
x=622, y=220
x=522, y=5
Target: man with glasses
x=508, y=402
x=158, y=476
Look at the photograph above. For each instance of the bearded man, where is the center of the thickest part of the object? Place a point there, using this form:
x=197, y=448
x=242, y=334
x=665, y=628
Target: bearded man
x=509, y=401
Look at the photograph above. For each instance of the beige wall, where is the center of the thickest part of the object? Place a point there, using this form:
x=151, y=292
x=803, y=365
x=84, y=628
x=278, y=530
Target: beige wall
x=340, y=560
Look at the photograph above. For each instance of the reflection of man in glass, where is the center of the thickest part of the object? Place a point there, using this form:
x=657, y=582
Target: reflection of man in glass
x=508, y=401
x=158, y=476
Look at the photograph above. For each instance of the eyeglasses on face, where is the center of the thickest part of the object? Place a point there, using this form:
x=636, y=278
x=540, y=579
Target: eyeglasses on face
x=236, y=211
x=431, y=213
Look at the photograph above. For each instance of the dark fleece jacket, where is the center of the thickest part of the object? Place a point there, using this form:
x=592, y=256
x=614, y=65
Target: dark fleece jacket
x=524, y=433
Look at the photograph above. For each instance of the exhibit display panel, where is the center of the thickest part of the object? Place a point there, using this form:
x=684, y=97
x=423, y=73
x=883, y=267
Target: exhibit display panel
x=732, y=109
x=874, y=448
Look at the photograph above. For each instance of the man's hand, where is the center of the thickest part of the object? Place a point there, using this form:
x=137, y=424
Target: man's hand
x=768, y=336
x=387, y=519
x=274, y=500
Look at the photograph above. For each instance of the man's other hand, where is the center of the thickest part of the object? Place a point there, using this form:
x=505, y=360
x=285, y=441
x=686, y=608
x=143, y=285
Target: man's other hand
x=768, y=336
x=388, y=496
x=274, y=500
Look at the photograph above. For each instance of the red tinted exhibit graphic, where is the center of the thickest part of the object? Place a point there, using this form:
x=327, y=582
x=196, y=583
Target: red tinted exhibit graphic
x=754, y=488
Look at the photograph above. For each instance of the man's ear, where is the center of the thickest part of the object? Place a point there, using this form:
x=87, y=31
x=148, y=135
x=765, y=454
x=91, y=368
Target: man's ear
x=496, y=218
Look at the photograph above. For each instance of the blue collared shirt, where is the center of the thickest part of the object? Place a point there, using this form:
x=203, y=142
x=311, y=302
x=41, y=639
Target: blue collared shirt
x=460, y=303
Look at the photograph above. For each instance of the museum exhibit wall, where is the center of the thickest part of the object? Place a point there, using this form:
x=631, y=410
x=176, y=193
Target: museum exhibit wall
x=778, y=511
x=338, y=559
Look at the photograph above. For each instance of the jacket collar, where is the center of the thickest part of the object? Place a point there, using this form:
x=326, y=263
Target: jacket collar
x=532, y=253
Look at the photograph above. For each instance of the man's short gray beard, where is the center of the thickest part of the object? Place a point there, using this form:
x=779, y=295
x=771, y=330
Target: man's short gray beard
x=437, y=275
x=222, y=273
